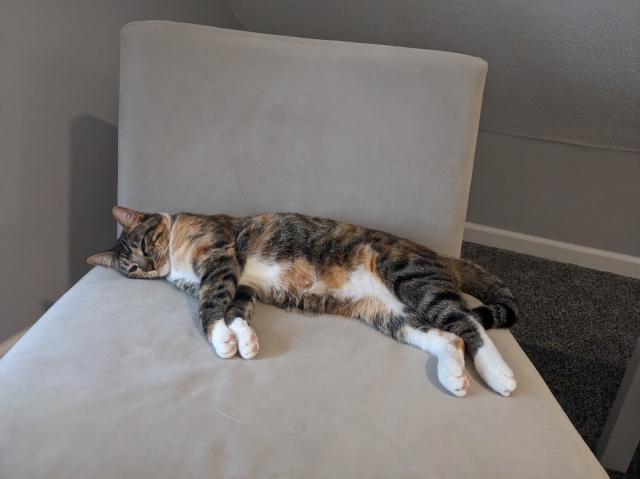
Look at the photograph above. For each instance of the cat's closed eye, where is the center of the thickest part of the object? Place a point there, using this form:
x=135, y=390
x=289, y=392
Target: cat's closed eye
x=132, y=269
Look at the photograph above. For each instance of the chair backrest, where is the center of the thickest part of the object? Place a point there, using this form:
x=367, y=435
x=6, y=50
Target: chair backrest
x=224, y=121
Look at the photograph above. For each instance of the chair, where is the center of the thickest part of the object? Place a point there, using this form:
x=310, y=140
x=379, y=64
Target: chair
x=116, y=380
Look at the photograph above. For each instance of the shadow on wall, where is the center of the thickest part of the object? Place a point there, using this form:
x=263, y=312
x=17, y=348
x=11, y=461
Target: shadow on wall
x=93, y=190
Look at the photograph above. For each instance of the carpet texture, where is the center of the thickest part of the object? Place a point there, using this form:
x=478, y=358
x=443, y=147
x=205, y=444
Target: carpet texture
x=578, y=326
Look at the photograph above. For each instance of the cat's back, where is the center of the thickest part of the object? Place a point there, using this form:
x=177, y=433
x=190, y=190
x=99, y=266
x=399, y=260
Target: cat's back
x=285, y=236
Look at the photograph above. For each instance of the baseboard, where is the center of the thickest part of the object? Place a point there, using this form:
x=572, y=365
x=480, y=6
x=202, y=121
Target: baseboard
x=555, y=250
x=7, y=344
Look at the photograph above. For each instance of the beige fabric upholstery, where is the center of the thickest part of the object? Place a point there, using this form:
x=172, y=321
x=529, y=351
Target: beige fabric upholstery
x=217, y=120
x=117, y=381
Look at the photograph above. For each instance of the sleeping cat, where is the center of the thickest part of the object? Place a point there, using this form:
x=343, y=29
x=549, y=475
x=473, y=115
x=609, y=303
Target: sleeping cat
x=320, y=265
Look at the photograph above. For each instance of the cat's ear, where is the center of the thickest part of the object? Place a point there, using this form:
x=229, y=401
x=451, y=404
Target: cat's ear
x=128, y=218
x=107, y=259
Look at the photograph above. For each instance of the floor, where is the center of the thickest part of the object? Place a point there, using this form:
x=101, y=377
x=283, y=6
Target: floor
x=578, y=326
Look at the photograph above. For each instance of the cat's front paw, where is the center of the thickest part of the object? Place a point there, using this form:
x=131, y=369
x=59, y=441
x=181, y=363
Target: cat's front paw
x=223, y=339
x=248, y=344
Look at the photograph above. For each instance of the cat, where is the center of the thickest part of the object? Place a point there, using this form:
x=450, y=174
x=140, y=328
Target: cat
x=319, y=265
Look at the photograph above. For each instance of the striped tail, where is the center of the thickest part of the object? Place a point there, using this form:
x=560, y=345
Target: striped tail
x=500, y=309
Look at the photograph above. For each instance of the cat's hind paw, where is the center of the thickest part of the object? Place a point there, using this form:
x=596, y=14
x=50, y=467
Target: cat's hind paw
x=495, y=372
x=223, y=340
x=248, y=344
x=451, y=373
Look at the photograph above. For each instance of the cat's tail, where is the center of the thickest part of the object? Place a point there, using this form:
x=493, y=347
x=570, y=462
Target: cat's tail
x=500, y=309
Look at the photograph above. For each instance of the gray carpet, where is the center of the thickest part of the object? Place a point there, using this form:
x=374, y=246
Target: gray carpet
x=578, y=326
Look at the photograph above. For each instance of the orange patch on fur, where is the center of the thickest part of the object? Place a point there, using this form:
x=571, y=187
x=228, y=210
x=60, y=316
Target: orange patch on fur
x=299, y=276
x=335, y=277
x=456, y=341
x=367, y=258
x=201, y=249
x=183, y=227
x=183, y=249
x=264, y=218
x=347, y=229
x=368, y=308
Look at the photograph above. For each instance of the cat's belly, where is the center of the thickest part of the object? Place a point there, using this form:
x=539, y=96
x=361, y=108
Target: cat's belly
x=271, y=278
x=299, y=277
x=362, y=284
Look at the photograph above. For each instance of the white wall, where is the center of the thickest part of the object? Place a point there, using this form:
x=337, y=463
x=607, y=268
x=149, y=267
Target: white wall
x=58, y=114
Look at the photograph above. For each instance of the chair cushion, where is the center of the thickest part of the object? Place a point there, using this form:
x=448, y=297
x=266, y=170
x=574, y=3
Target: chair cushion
x=117, y=381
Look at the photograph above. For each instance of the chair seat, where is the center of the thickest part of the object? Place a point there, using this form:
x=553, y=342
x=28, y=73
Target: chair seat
x=117, y=381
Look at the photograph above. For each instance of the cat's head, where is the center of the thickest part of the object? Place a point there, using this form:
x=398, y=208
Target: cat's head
x=142, y=250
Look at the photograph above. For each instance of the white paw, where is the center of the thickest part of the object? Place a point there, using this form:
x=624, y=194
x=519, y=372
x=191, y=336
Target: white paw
x=246, y=337
x=223, y=339
x=451, y=371
x=494, y=370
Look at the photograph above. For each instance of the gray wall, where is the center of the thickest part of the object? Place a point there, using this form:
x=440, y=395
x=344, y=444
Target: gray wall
x=58, y=116
x=561, y=73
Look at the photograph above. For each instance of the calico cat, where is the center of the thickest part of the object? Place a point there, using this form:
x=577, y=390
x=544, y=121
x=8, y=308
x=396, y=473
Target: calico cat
x=319, y=265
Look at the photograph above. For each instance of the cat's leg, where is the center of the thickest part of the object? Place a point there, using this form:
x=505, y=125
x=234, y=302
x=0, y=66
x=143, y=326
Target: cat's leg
x=460, y=324
x=238, y=317
x=428, y=292
x=192, y=289
x=490, y=364
x=218, y=284
x=447, y=347
x=449, y=314
x=453, y=317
